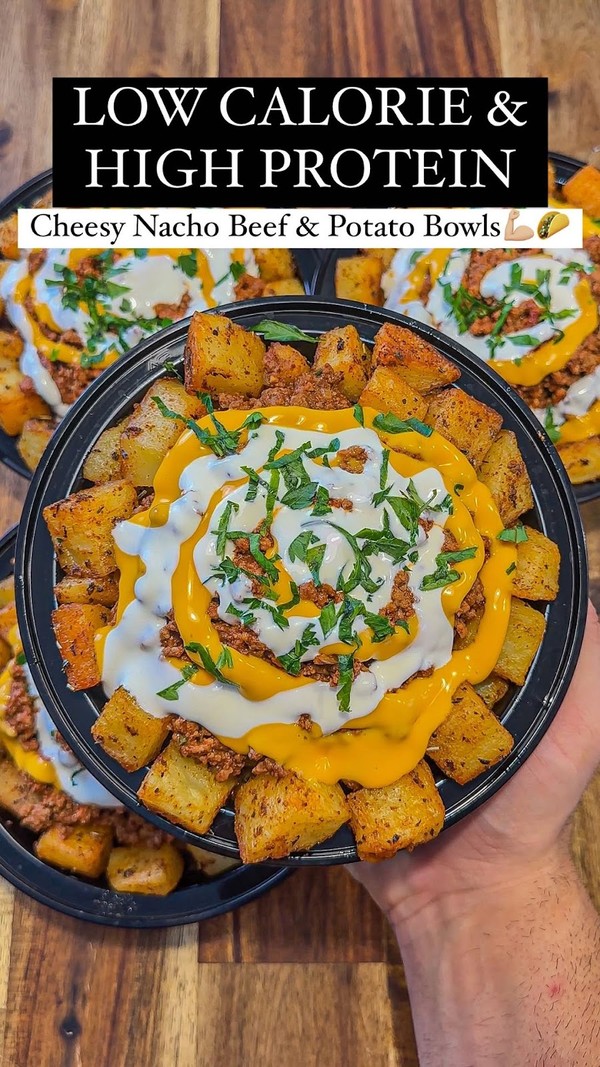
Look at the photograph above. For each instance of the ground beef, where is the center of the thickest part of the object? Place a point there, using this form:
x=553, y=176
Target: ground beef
x=20, y=713
x=239, y=637
x=471, y=608
x=234, y=401
x=592, y=247
x=248, y=287
x=426, y=524
x=88, y=267
x=553, y=388
x=523, y=317
x=41, y=806
x=171, y=640
x=265, y=765
x=198, y=744
x=173, y=311
x=352, y=459
x=305, y=722
x=341, y=503
x=27, y=385
x=426, y=287
x=145, y=500
x=70, y=378
x=35, y=260
x=320, y=594
x=315, y=389
x=401, y=606
x=131, y=830
x=282, y=364
x=485, y=260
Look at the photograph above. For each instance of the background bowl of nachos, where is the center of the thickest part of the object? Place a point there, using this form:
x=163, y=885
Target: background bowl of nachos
x=465, y=671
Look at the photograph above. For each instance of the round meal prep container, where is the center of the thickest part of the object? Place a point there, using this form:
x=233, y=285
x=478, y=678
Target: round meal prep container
x=307, y=260
x=324, y=286
x=196, y=898
x=527, y=712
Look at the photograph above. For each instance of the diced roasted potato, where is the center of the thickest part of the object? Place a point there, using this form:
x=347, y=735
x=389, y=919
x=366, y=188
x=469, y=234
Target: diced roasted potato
x=9, y=246
x=11, y=787
x=8, y=618
x=582, y=460
x=523, y=638
x=139, y=869
x=402, y=815
x=210, y=863
x=148, y=435
x=470, y=740
x=274, y=264
x=386, y=390
x=128, y=733
x=11, y=345
x=81, y=525
x=276, y=816
x=414, y=360
x=386, y=255
x=5, y=653
x=504, y=472
x=583, y=190
x=283, y=364
x=359, y=278
x=469, y=424
x=75, y=627
x=183, y=790
x=492, y=690
x=88, y=590
x=284, y=287
x=17, y=406
x=7, y=590
x=538, y=565
x=103, y=461
x=34, y=438
x=344, y=351
x=222, y=357
x=79, y=849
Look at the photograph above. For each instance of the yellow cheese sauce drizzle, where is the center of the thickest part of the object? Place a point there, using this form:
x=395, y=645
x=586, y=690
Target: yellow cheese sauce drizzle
x=28, y=761
x=379, y=748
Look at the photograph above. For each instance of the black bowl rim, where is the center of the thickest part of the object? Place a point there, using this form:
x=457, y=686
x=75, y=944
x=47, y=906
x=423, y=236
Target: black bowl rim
x=32, y=530
x=308, y=261
x=92, y=903
x=324, y=289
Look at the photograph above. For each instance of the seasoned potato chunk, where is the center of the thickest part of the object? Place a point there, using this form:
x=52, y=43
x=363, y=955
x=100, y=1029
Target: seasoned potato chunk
x=75, y=627
x=504, y=472
x=582, y=460
x=148, y=435
x=583, y=190
x=33, y=440
x=9, y=246
x=402, y=815
x=79, y=849
x=276, y=816
x=16, y=406
x=5, y=653
x=8, y=618
x=88, y=590
x=11, y=787
x=222, y=357
x=523, y=638
x=274, y=264
x=81, y=526
x=386, y=390
x=127, y=733
x=470, y=740
x=283, y=364
x=344, y=351
x=183, y=790
x=284, y=287
x=414, y=360
x=386, y=255
x=210, y=863
x=103, y=462
x=492, y=689
x=469, y=424
x=359, y=278
x=11, y=345
x=7, y=590
x=538, y=564
x=139, y=869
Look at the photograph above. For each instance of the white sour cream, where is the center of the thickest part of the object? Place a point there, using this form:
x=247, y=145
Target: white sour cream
x=579, y=398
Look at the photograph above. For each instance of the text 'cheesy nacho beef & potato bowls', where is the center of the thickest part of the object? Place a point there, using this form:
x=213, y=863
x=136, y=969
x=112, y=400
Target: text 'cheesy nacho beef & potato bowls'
x=67, y=314
x=328, y=584
x=68, y=843
x=531, y=314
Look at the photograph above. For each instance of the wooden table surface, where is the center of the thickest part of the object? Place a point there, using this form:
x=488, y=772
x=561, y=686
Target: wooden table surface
x=309, y=974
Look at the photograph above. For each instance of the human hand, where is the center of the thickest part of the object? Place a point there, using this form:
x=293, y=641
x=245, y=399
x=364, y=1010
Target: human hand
x=522, y=829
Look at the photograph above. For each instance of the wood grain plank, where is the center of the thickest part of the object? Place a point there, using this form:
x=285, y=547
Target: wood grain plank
x=7, y=904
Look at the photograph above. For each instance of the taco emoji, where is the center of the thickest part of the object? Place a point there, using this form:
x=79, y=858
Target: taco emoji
x=552, y=222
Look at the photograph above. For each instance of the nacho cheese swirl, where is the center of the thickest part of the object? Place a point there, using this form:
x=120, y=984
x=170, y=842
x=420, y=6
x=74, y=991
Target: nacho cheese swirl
x=179, y=555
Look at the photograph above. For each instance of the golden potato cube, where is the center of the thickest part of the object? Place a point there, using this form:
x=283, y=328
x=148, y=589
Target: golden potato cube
x=274, y=264
x=139, y=869
x=359, y=278
x=5, y=653
x=11, y=345
x=283, y=364
x=81, y=527
x=223, y=357
x=210, y=863
x=492, y=689
x=538, y=566
x=504, y=472
x=386, y=390
x=8, y=618
x=386, y=255
x=127, y=733
x=183, y=790
x=469, y=424
x=34, y=438
x=12, y=786
x=9, y=246
x=284, y=287
x=413, y=359
x=88, y=590
x=583, y=190
x=582, y=460
x=81, y=850
x=402, y=815
x=276, y=816
x=7, y=590
x=75, y=627
x=523, y=638
x=103, y=461
x=344, y=351
x=470, y=740
x=148, y=435
x=16, y=406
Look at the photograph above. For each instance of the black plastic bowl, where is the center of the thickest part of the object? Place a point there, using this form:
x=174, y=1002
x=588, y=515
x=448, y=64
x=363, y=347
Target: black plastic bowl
x=307, y=260
x=528, y=711
x=197, y=898
x=324, y=287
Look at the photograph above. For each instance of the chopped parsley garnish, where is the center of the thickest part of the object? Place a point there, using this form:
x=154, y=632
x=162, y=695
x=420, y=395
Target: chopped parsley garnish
x=550, y=425
x=314, y=558
x=443, y=574
x=361, y=571
x=281, y=331
x=494, y=340
x=415, y=257
x=392, y=424
x=358, y=413
x=236, y=271
x=224, y=659
x=279, y=439
x=321, y=503
x=517, y=534
x=327, y=618
x=292, y=661
x=188, y=263
x=223, y=526
x=346, y=677
x=512, y=568
x=224, y=442
x=465, y=307
x=20, y=659
x=172, y=691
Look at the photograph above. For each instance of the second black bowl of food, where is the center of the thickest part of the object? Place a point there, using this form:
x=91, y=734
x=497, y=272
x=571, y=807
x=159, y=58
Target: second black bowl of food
x=527, y=712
